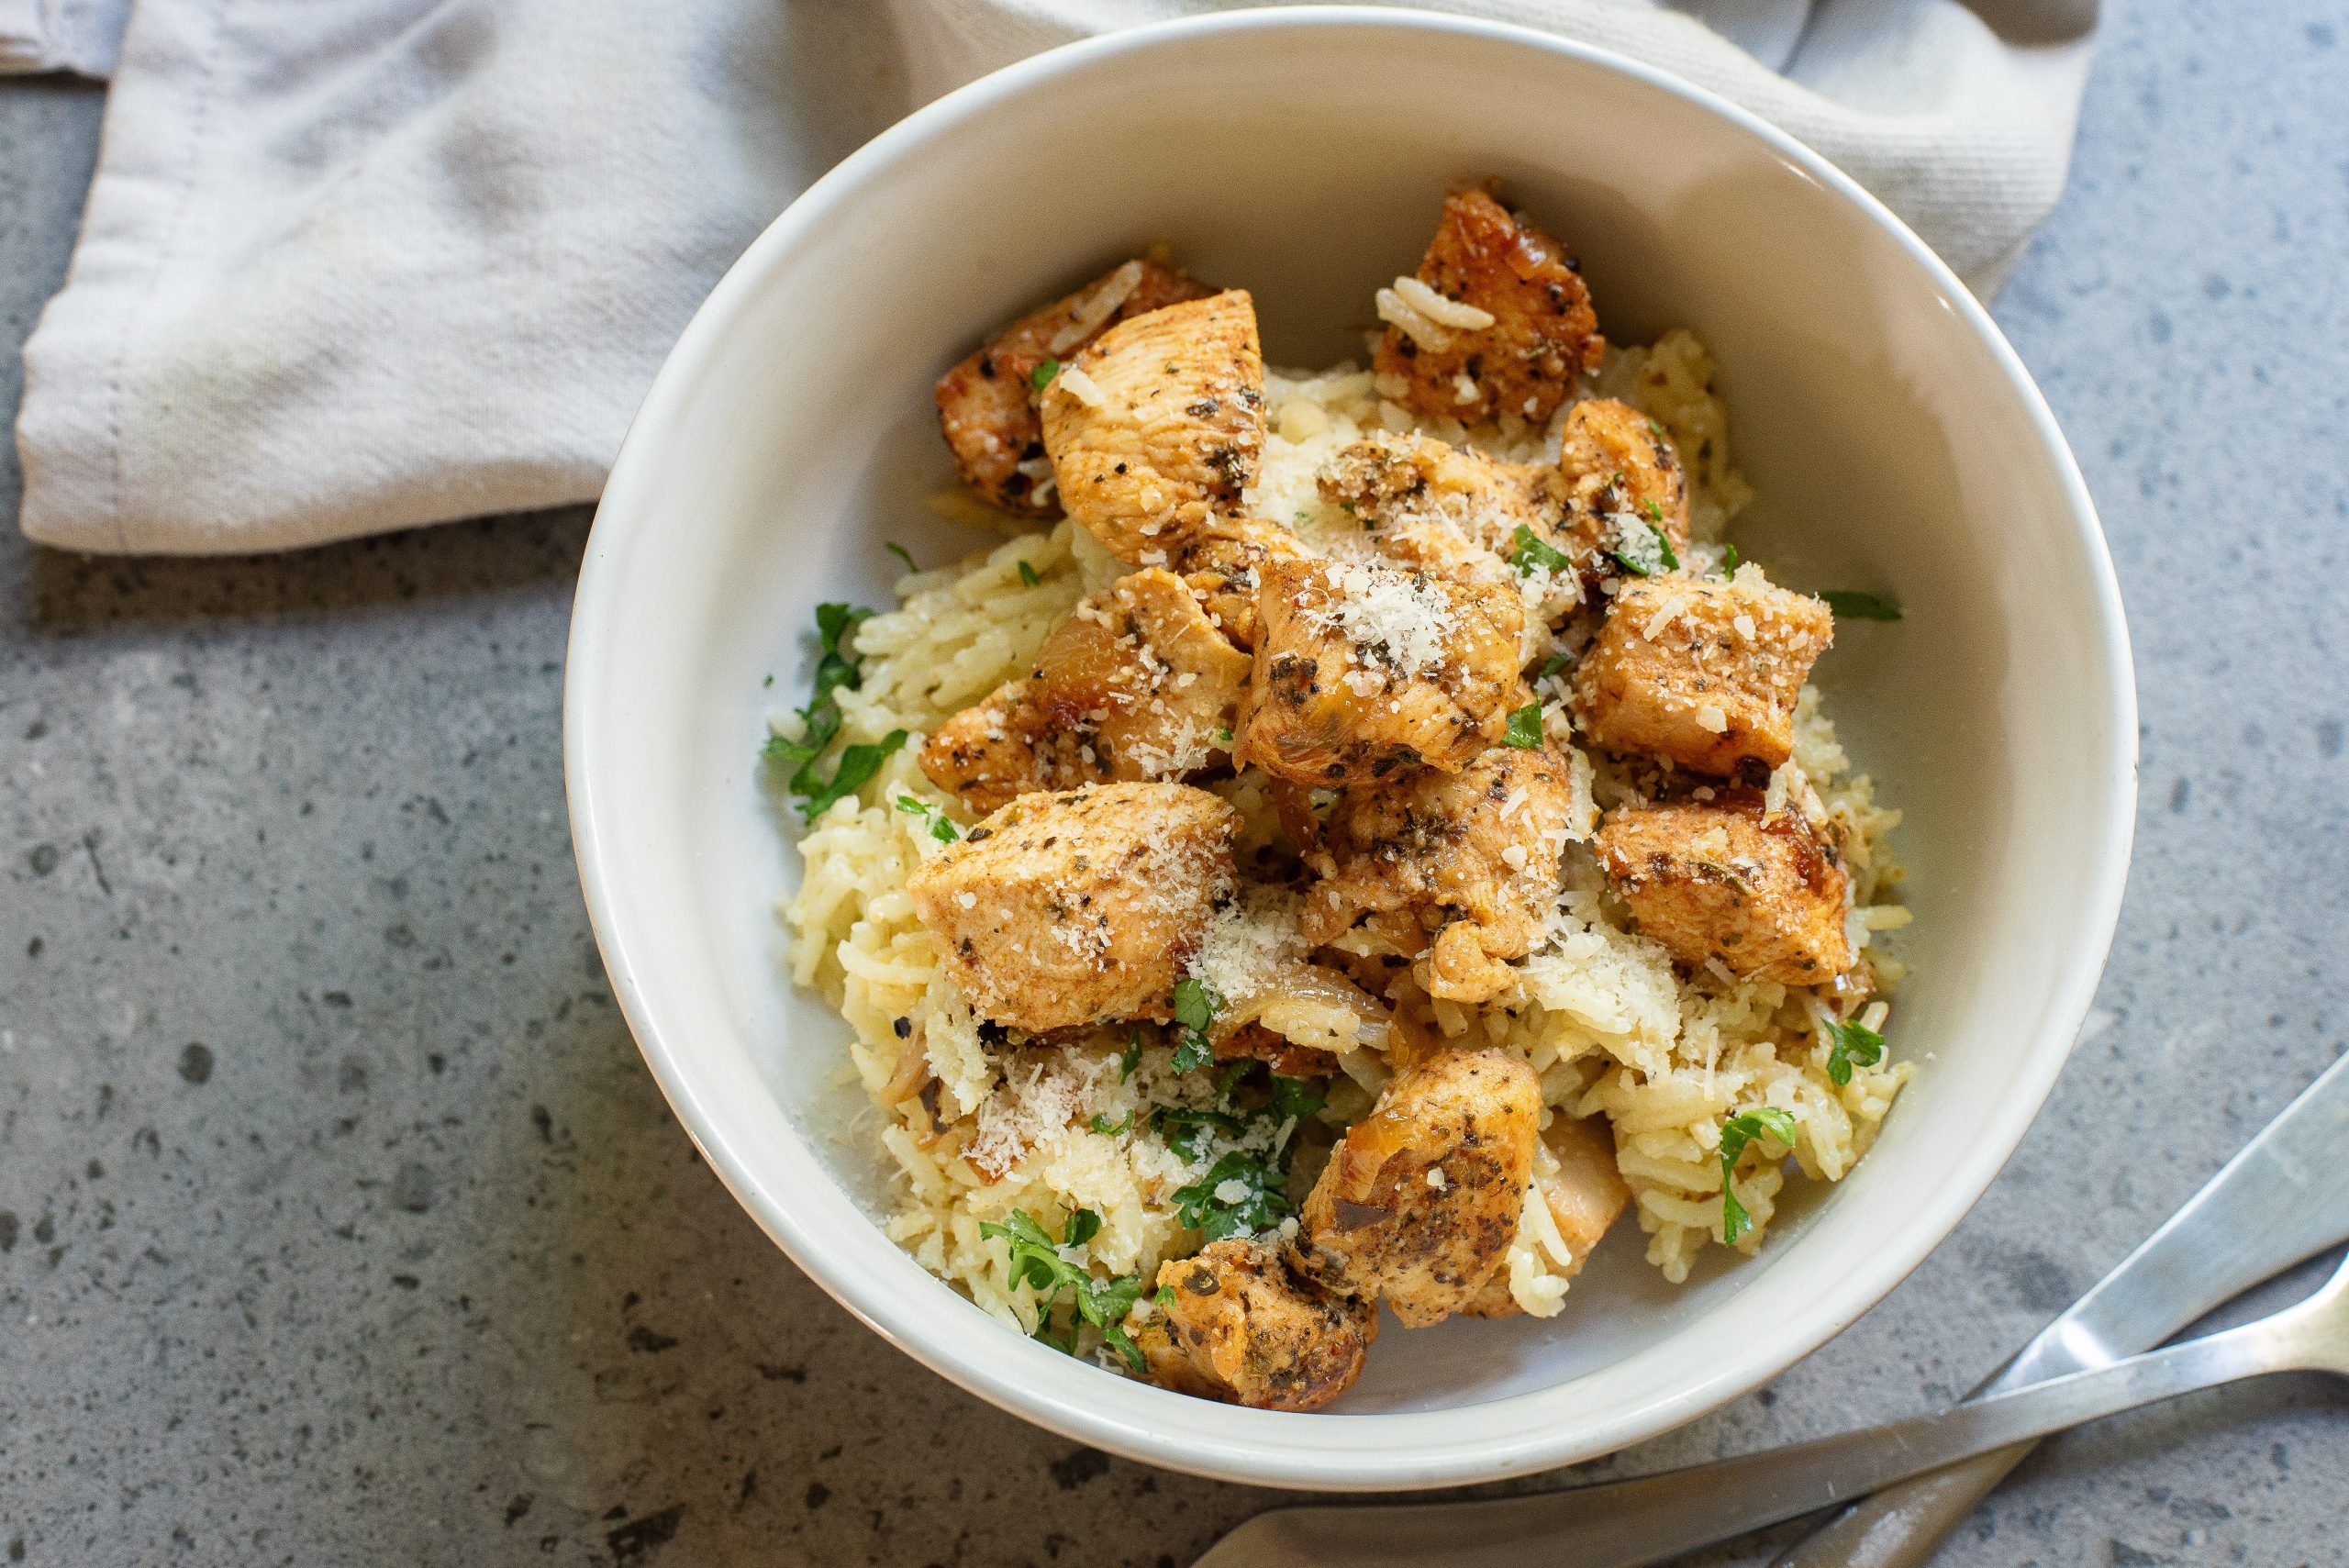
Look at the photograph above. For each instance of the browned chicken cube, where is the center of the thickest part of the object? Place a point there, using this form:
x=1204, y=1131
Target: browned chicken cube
x=986, y=403
x=1720, y=881
x=1703, y=671
x=1444, y=510
x=1363, y=669
x=1619, y=472
x=1220, y=557
x=1470, y=856
x=1585, y=1197
x=1243, y=1328
x=1082, y=907
x=1419, y=1201
x=1540, y=332
x=1136, y=684
x=1159, y=423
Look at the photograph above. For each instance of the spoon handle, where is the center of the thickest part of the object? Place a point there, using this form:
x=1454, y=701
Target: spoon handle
x=1628, y=1523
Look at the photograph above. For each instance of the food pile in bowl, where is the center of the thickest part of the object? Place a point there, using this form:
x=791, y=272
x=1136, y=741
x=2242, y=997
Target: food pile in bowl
x=1365, y=833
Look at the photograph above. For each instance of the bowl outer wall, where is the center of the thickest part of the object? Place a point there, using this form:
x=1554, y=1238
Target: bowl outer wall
x=766, y=1161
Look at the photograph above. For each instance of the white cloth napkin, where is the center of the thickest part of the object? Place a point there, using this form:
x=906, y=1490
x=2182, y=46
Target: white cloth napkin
x=354, y=267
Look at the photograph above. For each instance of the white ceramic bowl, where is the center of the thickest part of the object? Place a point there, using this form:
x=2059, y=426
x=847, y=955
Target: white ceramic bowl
x=1894, y=443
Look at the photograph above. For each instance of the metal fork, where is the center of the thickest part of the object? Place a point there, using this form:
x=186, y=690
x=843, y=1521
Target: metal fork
x=1628, y=1523
x=2276, y=1203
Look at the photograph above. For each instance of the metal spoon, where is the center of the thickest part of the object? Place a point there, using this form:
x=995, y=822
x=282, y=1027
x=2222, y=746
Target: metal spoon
x=1628, y=1523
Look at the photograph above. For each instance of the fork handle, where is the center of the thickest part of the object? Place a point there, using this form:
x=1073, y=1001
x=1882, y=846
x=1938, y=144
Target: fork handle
x=1625, y=1524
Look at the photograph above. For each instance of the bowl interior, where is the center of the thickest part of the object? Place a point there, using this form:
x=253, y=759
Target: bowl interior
x=1891, y=440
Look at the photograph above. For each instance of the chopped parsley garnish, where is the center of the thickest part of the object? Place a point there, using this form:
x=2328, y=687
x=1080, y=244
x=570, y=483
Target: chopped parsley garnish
x=1107, y=1128
x=1555, y=663
x=1524, y=731
x=820, y=719
x=1736, y=1133
x=1132, y=1058
x=902, y=553
x=858, y=764
x=1853, y=1043
x=1036, y=1263
x=1653, y=508
x=1528, y=550
x=1649, y=557
x=1189, y=1129
x=1223, y=735
x=1028, y=572
x=1211, y=1206
x=1195, y=1007
x=1848, y=603
x=1729, y=561
x=1041, y=377
x=1165, y=1296
x=942, y=827
x=1295, y=1100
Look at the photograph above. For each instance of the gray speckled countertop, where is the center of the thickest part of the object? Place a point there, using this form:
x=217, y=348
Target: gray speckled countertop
x=340, y=1223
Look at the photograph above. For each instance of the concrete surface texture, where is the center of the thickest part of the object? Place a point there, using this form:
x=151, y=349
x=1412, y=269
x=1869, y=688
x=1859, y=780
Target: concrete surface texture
x=340, y=1223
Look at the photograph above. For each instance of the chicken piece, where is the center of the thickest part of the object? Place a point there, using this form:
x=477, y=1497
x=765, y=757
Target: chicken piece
x=1159, y=422
x=1136, y=684
x=1584, y=1195
x=1540, y=332
x=1702, y=671
x=1721, y=880
x=1421, y=1199
x=1617, y=471
x=1082, y=907
x=1446, y=511
x=1244, y=1329
x=1255, y=1043
x=987, y=402
x=1361, y=668
x=1470, y=856
x=1220, y=558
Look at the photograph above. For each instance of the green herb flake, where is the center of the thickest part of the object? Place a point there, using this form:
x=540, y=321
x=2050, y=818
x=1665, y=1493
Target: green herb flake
x=1852, y=1043
x=1223, y=735
x=1036, y=1263
x=1259, y=1205
x=1524, y=731
x=902, y=553
x=1195, y=1005
x=1028, y=573
x=1654, y=511
x=1649, y=557
x=1736, y=1133
x=1729, y=561
x=1124, y=1344
x=1296, y=1099
x=1165, y=1297
x=820, y=719
x=1530, y=551
x=1848, y=603
x=1107, y=1128
x=1041, y=377
x=1132, y=1058
x=858, y=764
x=1555, y=663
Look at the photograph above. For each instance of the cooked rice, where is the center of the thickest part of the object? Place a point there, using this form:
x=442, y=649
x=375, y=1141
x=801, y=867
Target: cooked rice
x=1599, y=1012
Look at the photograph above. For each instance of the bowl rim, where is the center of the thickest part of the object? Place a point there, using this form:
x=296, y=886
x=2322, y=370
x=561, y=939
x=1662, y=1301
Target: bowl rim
x=1327, y=1451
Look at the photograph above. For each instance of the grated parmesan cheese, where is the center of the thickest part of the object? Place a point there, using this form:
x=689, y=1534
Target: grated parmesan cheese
x=1440, y=309
x=1081, y=387
x=1406, y=618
